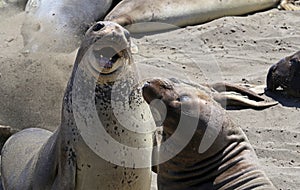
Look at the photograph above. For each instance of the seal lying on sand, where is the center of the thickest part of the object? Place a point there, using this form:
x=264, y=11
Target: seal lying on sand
x=70, y=158
x=178, y=13
x=59, y=26
x=218, y=156
x=285, y=74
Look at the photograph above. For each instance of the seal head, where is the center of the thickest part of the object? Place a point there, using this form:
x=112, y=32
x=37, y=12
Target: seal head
x=285, y=74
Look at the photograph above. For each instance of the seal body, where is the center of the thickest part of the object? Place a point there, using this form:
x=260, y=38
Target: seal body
x=59, y=26
x=285, y=74
x=218, y=154
x=73, y=157
x=181, y=13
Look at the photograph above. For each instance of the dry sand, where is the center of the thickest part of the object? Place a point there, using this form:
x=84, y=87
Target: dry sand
x=234, y=49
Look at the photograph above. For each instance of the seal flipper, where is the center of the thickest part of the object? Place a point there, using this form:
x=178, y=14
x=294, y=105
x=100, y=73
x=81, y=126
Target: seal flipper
x=253, y=100
x=237, y=100
x=224, y=86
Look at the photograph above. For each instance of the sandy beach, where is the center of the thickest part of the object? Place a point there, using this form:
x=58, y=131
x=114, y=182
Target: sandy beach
x=232, y=49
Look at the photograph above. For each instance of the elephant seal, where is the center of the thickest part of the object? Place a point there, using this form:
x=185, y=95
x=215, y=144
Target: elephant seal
x=59, y=26
x=176, y=13
x=285, y=74
x=229, y=162
x=69, y=158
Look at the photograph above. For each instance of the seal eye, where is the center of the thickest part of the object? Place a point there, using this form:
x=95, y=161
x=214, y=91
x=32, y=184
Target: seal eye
x=98, y=27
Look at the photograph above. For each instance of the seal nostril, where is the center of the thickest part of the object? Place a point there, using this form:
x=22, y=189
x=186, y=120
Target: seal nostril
x=98, y=27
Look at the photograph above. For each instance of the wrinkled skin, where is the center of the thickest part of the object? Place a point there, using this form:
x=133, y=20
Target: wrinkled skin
x=218, y=155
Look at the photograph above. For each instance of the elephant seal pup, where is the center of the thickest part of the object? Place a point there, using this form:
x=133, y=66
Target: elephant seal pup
x=285, y=74
x=178, y=13
x=59, y=26
x=71, y=157
x=229, y=162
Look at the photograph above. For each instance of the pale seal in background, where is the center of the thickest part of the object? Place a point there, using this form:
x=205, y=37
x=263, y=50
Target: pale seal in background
x=178, y=13
x=59, y=26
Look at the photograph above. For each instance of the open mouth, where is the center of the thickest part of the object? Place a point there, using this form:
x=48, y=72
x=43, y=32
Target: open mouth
x=108, y=60
x=107, y=57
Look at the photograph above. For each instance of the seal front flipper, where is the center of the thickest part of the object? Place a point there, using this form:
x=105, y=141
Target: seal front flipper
x=240, y=101
x=242, y=96
x=224, y=86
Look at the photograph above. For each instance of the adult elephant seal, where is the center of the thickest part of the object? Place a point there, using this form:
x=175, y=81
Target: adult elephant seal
x=218, y=154
x=285, y=74
x=182, y=13
x=59, y=26
x=93, y=147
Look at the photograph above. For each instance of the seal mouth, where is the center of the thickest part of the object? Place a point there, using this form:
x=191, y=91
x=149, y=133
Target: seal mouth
x=106, y=60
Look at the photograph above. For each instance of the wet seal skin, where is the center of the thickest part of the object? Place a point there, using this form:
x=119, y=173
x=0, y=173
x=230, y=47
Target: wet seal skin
x=285, y=74
x=218, y=156
x=69, y=157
